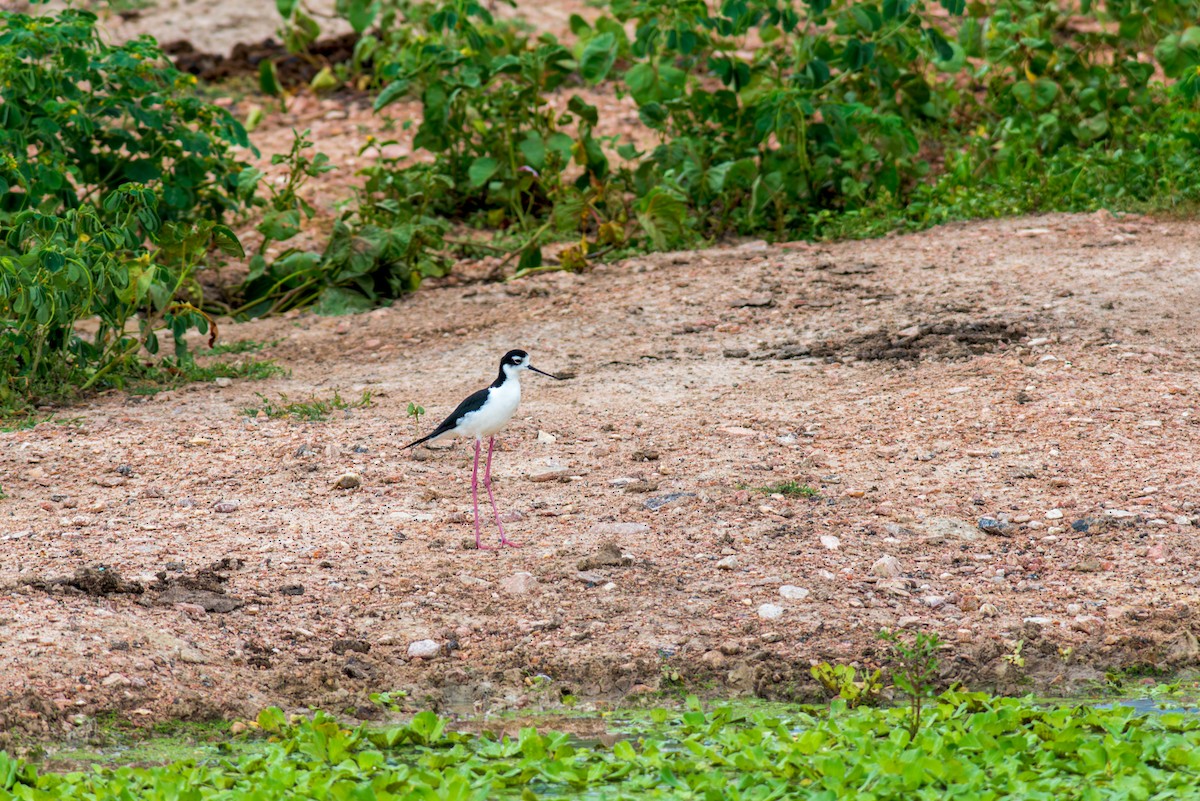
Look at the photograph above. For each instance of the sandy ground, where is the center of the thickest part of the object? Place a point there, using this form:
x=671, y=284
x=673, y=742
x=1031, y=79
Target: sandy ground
x=694, y=377
x=1036, y=374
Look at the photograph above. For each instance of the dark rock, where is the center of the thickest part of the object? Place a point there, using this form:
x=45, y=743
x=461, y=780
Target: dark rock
x=340, y=647
x=608, y=555
x=292, y=589
x=659, y=501
x=97, y=581
x=994, y=525
x=358, y=669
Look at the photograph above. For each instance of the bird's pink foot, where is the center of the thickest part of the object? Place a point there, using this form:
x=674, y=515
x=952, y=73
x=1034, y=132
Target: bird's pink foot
x=509, y=543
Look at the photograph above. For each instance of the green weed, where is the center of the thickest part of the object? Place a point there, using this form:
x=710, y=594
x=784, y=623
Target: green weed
x=791, y=489
x=915, y=666
x=311, y=410
x=241, y=346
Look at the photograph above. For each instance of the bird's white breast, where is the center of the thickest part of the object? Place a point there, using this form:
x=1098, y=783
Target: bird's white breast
x=499, y=408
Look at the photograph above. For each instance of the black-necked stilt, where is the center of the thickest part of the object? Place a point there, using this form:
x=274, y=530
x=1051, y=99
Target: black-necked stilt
x=481, y=415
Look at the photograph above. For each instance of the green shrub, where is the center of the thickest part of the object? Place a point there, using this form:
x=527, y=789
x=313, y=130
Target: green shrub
x=113, y=182
x=79, y=118
x=818, y=118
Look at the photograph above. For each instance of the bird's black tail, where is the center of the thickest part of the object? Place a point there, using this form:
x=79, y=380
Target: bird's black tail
x=437, y=432
x=418, y=442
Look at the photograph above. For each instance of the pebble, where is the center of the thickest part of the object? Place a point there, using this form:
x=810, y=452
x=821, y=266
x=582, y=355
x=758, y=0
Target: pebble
x=1088, y=624
x=830, y=542
x=546, y=438
x=348, y=481
x=658, y=502
x=224, y=382
x=1038, y=620
x=423, y=649
x=988, y=610
x=551, y=473
x=993, y=525
x=191, y=610
x=770, y=612
x=886, y=567
x=793, y=593
x=113, y=679
x=1054, y=514
x=908, y=622
x=521, y=583
x=292, y=589
x=1183, y=520
x=728, y=563
x=1118, y=514
x=225, y=507
x=950, y=527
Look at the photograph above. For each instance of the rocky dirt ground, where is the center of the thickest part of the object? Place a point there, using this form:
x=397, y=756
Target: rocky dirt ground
x=998, y=419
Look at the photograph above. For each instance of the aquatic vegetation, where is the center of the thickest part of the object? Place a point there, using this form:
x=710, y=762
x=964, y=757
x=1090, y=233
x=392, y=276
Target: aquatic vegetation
x=970, y=745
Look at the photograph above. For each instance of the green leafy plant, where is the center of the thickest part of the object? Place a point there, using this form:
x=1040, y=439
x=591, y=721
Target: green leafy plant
x=388, y=700
x=55, y=270
x=80, y=118
x=115, y=178
x=842, y=681
x=415, y=411
x=915, y=667
x=312, y=410
x=791, y=489
x=971, y=746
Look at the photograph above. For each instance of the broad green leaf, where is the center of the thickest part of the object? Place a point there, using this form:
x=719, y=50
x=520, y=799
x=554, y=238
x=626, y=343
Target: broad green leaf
x=599, y=55
x=534, y=150
x=392, y=92
x=268, y=78
x=482, y=169
x=1036, y=95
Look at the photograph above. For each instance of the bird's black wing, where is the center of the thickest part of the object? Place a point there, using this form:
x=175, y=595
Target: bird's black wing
x=473, y=403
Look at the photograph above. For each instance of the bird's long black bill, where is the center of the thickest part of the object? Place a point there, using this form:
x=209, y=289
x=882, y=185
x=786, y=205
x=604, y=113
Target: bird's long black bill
x=543, y=372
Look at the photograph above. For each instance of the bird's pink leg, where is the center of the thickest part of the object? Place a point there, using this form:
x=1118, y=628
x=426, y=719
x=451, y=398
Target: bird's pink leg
x=475, y=497
x=487, y=482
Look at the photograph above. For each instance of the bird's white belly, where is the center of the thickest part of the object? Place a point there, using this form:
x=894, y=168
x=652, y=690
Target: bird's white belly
x=496, y=412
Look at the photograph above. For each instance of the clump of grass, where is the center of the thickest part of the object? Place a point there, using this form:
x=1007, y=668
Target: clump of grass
x=242, y=346
x=170, y=374
x=312, y=410
x=791, y=489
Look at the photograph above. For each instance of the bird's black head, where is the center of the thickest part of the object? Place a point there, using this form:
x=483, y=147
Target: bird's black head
x=516, y=360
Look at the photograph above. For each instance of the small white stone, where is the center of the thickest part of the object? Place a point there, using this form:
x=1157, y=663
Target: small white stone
x=770, y=612
x=546, y=438
x=348, y=481
x=886, y=567
x=830, y=542
x=521, y=583
x=793, y=593
x=1054, y=514
x=728, y=563
x=423, y=649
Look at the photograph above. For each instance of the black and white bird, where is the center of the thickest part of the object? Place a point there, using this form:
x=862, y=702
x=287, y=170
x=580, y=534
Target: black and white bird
x=481, y=415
